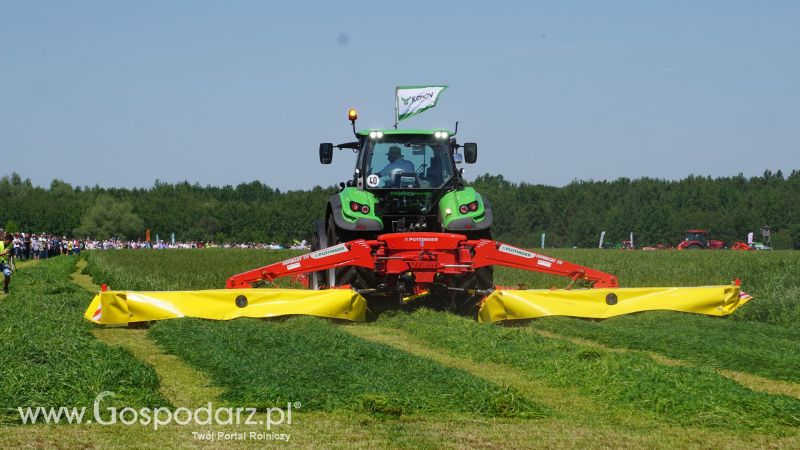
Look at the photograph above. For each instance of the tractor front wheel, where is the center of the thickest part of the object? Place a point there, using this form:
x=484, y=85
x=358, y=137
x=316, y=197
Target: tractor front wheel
x=481, y=279
x=318, y=242
x=357, y=277
x=342, y=275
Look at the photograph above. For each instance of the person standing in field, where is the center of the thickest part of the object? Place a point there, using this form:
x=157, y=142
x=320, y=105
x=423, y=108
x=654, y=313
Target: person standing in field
x=17, y=247
x=26, y=245
x=35, y=247
x=42, y=247
x=5, y=250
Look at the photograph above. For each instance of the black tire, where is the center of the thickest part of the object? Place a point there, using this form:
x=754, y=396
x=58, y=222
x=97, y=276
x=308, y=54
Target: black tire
x=694, y=247
x=482, y=279
x=357, y=277
x=318, y=242
x=343, y=275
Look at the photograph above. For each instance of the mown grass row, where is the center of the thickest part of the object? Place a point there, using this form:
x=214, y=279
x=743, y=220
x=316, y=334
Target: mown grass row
x=757, y=348
x=682, y=395
x=314, y=362
x=49, y=358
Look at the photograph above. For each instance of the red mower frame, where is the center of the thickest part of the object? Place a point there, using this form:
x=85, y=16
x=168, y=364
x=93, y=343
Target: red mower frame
x=413, y=262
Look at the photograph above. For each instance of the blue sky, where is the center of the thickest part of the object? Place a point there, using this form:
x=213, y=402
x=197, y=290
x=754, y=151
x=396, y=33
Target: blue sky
x=124, y=93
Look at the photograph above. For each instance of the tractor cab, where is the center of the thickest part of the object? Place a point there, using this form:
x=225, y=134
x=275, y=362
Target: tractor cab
x=700, y=236
x=405, y=159
x=697, y=240
x=405, y=180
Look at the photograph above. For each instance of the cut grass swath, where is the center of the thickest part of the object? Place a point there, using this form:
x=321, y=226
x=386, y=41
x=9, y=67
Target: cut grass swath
x=682, y=395
x=312, y=361
x=49, y=358
x=758, y=348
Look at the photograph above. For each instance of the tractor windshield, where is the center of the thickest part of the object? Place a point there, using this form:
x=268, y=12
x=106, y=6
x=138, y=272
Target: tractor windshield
x=414, y=162
x=696, y=236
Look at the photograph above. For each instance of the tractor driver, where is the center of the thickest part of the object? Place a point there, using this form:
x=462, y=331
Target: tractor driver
x=396, y=163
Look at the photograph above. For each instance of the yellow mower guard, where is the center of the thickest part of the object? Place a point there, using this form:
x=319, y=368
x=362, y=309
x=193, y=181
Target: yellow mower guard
x=503, y=305
x=121, y=307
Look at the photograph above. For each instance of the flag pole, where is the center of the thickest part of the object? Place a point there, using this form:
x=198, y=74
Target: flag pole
x=396, y=108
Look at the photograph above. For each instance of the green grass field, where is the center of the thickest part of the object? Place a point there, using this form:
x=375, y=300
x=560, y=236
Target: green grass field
x=422, y=379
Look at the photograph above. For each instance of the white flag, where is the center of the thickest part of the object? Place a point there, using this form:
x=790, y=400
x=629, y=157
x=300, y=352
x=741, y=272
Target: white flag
x=412, y=100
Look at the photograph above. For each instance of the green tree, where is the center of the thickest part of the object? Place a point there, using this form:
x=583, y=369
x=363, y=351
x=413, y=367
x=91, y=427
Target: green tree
x=12, y=226
x=110, y=218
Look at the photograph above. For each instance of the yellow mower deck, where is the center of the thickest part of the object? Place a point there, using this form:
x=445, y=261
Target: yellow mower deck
x=121, y=307
x=503, y=305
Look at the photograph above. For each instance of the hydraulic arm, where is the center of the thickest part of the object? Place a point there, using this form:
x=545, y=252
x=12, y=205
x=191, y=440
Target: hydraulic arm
x=425, y=258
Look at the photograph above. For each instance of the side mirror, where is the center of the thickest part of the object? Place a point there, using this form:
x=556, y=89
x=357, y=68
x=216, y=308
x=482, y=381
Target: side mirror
x=326, y=153
x=470, y=152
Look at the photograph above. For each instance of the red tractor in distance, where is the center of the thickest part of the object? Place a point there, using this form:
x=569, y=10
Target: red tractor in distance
x=697, y=240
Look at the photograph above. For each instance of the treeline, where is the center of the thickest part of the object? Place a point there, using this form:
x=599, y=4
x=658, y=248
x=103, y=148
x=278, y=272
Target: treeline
x=656, y=211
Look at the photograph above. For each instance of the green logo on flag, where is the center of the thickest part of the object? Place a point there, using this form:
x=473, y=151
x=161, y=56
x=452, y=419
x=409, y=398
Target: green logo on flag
x=412, y=100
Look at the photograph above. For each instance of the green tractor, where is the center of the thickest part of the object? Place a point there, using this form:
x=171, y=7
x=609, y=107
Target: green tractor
x=406, y=231
x=404, y=181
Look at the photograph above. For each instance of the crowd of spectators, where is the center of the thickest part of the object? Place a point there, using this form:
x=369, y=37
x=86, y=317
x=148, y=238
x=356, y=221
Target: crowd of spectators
x=42, y=245
x=123, y=244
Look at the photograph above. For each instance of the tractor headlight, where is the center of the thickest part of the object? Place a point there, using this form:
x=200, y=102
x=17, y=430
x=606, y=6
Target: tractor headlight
x=440, y=135
x=375, y=134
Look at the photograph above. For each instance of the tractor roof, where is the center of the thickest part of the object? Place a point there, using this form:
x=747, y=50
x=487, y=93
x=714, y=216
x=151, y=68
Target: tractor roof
x=392, y=131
